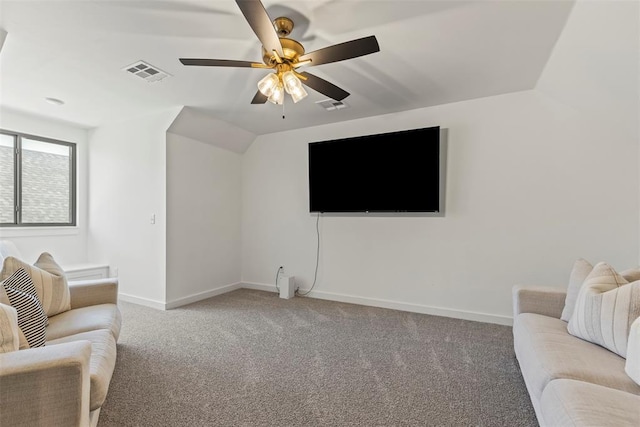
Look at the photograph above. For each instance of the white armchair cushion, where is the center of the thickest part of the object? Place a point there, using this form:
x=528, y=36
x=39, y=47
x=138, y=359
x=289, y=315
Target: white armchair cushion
x=632, y=366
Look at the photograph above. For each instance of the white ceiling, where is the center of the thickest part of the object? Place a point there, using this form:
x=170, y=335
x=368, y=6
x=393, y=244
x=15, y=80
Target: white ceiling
x=432, y=52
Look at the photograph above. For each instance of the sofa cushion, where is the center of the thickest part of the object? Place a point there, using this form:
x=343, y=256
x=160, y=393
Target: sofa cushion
x=101, y=364
x=577, y=403
x=84, y=319
x=48, y=278
x=23, y=297
x=546, y=351
x=9, y=330
x=606, y=306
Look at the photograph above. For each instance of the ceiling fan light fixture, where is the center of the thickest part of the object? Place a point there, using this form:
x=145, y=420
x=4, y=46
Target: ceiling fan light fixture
x=298, y=94
x=291, y=82
x=277, y=95
x=293, y=86
x=268, y=84
x=283, y=55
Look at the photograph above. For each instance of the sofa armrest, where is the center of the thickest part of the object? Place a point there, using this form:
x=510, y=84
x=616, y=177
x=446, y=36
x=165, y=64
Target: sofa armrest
x=93, y=292
x=539, y=300
x=46, y=386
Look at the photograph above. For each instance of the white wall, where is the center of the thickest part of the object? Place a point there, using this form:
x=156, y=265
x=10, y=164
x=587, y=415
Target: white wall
x=68, y=245
x=203, y=219
x=531, y=187
x=594, y=67
x=127, y=164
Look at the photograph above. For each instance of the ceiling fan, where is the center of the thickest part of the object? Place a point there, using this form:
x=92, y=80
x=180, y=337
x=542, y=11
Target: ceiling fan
x=285, y=55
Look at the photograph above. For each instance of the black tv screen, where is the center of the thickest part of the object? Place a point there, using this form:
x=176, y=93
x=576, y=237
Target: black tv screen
x=390, y=172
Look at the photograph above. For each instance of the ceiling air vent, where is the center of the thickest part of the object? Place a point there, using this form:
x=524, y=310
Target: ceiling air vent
x=147, y=72
x=332, y=104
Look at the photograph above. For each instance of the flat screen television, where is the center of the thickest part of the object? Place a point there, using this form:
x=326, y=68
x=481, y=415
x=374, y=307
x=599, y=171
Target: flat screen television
x=389, y=172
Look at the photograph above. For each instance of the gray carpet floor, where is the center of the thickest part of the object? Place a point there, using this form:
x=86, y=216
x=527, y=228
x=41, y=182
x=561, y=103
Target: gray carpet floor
x=248, y=358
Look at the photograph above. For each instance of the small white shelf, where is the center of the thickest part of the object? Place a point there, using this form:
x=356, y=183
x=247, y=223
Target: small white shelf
x=86, y=271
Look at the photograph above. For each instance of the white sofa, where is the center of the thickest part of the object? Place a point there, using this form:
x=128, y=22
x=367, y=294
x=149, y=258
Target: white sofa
x=571, y=382
x=65, y=382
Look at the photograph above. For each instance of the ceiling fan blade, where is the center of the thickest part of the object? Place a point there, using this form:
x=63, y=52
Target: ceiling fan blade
x=259, y=98
x=220, y=63
x=324, y=87
x=342, y=51
x=261, y=24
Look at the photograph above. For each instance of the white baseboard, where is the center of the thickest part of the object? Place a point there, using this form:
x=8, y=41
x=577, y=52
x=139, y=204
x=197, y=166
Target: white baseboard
x=158, y=305
x=180, y=301
x=201, y=295
x=330, y=296
x=394, y=305
x=258, y=286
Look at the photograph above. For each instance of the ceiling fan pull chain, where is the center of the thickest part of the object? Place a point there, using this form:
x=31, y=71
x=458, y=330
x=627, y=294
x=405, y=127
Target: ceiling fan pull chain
x=283, y=109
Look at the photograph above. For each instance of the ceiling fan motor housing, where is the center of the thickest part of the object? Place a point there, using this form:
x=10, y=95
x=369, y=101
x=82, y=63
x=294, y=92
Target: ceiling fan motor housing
x=291, y=50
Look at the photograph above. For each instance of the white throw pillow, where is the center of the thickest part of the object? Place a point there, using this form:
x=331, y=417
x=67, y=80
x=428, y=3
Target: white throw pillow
x=606, y=306
x=632, y=367
x=9, y=330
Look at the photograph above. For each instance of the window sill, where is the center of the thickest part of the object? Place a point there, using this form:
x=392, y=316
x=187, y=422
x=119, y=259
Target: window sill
x=38, y=231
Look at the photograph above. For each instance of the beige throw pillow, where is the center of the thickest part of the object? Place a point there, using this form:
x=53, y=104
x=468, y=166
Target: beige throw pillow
x=4, y=299
x=9, y=330
x=605, y=308
x=48, y=278
x=580, y=271
x=631, y=275
x=632, y=367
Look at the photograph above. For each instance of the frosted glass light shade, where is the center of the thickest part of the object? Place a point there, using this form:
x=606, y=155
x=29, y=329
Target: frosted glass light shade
x=267, y=85
x=293, y=86
x=290, y=81
x=277, y=95
x=298, y=94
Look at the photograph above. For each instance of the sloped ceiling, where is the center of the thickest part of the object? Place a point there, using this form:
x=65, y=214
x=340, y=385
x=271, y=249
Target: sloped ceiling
x=432, y=52
x=204, y=128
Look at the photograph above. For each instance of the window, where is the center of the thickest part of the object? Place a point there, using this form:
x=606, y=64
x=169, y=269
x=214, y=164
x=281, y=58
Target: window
x=37, y=181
